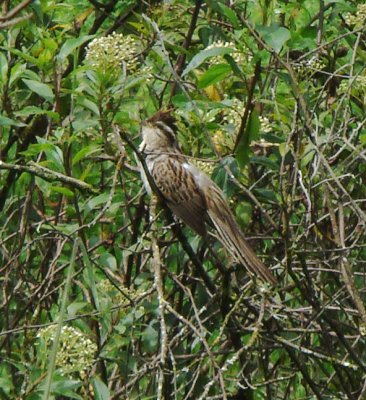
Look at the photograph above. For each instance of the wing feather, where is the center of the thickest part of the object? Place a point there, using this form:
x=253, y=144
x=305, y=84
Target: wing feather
x=179, y=187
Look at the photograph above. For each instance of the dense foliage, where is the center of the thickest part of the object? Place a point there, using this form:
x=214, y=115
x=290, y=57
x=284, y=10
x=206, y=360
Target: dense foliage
x=101, y=296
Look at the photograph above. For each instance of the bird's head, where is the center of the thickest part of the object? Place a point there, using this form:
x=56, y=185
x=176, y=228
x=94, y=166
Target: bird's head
x=159, y=132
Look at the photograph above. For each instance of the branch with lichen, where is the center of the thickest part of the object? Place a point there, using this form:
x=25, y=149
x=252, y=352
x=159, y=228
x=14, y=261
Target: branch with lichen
x=48, y=175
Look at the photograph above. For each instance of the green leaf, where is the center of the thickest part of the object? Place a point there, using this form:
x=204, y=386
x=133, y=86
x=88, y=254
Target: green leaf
x=44, y=186
x=88, y=104
x=89, y=275
x=3, y=67
x=66, y=387
x=266, y=194
x=53, y=153
x=213, y=75
x=84, y=152
x=230, y=15
x=18, y=70
x=37, y=8
x=199, y=58
x=222, y=177
x=5, y=121
x=62, y=190
x=101, y=391
x=274, y=36
x=36, y=148
x=75, y=307
x=250, y=133
x=108, y=260
x=40, y=88
x=22, y=55
x=33, y=110
x=283, y=149
x=265, y=161
x=71, y=44
x=363, y=137
x=244, y=211
x=95, y=202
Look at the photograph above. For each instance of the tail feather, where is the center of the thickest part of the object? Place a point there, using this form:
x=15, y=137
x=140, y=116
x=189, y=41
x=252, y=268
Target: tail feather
x=233, y=239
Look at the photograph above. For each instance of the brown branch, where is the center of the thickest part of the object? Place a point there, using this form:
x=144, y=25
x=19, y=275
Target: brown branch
x=48, y=175
x=15, y=21
x=187, y=42
x=10, y=14
x=249, y=106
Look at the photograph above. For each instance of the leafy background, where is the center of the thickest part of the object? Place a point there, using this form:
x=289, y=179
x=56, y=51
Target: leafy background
x=100, y=297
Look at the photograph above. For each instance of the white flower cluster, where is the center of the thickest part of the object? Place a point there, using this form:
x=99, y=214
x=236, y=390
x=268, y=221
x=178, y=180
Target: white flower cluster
x=357, y=88
x=106, y=287
x=238, y=56
x=220, y=43
x=230, y=118
x=357, y=20
x=233, y=114
x=147, y=72
x=222, y=141
x=265, y=124
x=308, y=68
x=315, y=63
x=206, y=166
x=76, y=352
x=110, y=52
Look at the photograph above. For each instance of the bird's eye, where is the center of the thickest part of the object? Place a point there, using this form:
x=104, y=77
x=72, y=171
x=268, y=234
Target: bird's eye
x=166, y=130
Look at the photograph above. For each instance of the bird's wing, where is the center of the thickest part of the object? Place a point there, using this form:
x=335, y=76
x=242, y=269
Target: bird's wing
x=227, y=228
x=178, y=185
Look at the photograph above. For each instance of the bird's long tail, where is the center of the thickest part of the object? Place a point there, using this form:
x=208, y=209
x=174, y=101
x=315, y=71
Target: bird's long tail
x=232, y=237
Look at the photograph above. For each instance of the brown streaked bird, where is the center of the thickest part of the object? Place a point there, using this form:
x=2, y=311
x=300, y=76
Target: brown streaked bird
x=190, y=194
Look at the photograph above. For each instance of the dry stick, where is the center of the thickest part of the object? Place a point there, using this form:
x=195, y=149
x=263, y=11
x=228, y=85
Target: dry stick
x=205, y=345
x=321, y=23
x=15, y=10
x=363, y=391
x=338, y=233
x=252, y=197
x=159, y=288
x=109, y=200
x=42, y=287
x=344, y=360
x=15, y=21
x=304, y=371
x=197, y=314
x=253, y=338
x=347, y=274
x=315, y=354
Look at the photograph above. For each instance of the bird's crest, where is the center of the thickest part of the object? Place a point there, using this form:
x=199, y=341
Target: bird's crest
x=165, y=116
